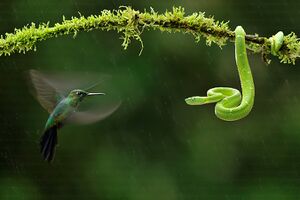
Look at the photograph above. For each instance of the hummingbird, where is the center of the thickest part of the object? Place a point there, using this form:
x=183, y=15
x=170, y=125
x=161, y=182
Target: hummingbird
x=63, y=109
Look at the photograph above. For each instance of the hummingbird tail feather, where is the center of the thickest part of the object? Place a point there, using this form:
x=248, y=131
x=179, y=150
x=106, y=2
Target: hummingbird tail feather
x=48, y=143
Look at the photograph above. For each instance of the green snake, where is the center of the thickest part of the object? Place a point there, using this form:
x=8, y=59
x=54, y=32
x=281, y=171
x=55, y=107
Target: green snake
x=230, y=104
x=276, y=42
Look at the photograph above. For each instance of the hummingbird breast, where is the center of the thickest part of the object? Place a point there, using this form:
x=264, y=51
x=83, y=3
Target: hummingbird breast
x=62, y=111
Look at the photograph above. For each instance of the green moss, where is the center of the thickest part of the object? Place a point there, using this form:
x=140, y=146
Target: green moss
x=291, y=49
x=131, y=24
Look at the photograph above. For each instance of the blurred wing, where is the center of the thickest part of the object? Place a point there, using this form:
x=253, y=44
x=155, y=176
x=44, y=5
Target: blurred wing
x=43, y=90
x=64, y=82
x=88, y=117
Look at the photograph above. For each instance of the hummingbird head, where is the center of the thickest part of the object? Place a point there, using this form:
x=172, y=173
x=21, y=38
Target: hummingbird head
x=78, y=95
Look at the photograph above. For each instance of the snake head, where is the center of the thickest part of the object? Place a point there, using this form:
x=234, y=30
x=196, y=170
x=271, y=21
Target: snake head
x=196, y=100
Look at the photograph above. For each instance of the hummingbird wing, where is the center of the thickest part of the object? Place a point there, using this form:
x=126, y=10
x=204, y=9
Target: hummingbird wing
x=46, y=94
x=64, y=82
x=50, y=88
x=88, y=117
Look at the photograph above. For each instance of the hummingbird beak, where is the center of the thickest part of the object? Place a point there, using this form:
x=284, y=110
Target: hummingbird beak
x=93, y=94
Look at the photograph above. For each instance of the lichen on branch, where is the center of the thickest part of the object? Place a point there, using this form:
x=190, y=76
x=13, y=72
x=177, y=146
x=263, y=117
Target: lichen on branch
x=131, y=23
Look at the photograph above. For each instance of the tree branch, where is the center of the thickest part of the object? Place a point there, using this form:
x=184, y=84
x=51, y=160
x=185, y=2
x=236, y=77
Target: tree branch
x=132, y=23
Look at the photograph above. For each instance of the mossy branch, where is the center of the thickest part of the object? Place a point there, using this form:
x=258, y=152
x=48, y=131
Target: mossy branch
x=131, y=23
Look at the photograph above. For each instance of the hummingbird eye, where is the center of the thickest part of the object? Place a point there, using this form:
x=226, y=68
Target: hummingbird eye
x=79, y=93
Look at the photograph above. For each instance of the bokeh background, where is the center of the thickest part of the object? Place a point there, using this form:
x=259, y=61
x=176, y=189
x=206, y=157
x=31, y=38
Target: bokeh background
x=154, y=146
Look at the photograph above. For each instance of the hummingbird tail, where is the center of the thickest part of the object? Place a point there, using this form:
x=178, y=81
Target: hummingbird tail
x=48, y=143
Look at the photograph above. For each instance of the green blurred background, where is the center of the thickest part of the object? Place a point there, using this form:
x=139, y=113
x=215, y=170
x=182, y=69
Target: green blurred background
x=154, y=146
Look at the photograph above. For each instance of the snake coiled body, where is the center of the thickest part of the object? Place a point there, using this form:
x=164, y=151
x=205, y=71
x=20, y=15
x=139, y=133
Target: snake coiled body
x=230, y=104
